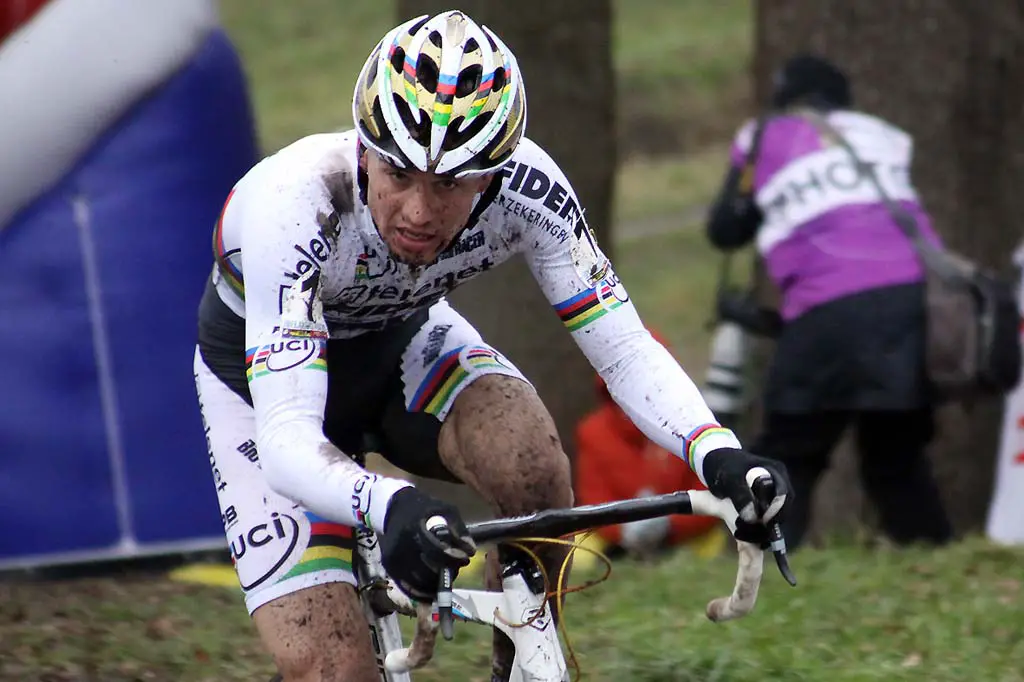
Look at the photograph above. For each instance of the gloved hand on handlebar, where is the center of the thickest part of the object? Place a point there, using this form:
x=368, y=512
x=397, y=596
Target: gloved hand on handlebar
x=414, y=555
x=725, y=471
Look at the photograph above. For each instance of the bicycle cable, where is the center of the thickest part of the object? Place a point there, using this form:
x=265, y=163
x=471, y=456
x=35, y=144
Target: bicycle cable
x=559, y=593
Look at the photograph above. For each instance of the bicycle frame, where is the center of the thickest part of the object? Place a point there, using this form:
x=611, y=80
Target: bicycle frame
x=538, y=656
x=538, y=651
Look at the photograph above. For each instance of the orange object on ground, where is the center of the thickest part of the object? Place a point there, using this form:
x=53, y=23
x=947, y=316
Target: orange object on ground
x=616, y=461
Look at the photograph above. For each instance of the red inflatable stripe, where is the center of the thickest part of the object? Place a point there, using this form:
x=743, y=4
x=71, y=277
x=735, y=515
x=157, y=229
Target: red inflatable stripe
x=14, y=13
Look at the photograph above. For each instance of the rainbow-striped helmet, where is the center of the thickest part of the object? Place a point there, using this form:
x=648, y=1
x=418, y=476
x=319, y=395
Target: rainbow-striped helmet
x=441, y=94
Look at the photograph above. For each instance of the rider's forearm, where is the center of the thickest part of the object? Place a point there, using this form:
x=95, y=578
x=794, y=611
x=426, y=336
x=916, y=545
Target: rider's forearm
x=649, y=385
x=664, y=403
x=643, y=378
x=288, y=385
x=302, y=465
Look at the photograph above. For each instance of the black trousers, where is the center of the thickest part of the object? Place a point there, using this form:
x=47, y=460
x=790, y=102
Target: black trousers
x=894, y=468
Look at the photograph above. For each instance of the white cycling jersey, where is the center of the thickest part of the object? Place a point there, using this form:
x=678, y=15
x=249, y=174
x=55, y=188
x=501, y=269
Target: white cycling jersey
x=300, y=259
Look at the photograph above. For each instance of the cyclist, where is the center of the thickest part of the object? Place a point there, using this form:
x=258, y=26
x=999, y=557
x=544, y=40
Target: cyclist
x=324, y=330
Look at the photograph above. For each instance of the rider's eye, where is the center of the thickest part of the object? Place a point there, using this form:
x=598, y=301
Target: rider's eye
x=448, y=183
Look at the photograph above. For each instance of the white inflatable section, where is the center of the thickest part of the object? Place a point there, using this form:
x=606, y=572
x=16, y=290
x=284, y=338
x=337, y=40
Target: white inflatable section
x=72, y=70
x=1006, y=510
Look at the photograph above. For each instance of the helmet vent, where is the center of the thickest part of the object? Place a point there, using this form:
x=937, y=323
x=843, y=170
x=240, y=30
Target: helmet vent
x=453, y=138
x=420, y=131
x=468, y=81
x=499, y=79
x=427, y=73
x=378, y=115
x=418, y=25
x=398, y=59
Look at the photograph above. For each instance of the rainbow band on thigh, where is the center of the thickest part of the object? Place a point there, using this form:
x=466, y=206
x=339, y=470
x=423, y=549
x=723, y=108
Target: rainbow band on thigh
x=450, y=372
x=330, y=548
x=444, y=378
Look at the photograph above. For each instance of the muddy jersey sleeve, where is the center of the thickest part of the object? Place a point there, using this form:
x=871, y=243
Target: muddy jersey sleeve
x=592, y=302
x=287, y=241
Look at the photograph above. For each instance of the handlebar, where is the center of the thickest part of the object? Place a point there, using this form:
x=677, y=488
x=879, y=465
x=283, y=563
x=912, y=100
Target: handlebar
x=557, y=522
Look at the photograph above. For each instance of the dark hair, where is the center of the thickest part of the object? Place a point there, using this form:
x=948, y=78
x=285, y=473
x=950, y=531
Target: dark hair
x=813, y=80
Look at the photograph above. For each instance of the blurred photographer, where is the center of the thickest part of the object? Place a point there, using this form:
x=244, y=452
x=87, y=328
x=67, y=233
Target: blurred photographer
x=850, y=335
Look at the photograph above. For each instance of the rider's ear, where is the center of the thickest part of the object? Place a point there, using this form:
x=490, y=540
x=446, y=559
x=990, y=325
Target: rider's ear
x=362, y=158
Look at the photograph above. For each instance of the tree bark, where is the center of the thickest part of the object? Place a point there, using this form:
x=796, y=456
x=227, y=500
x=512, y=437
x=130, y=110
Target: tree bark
x=948, y=72
x=564, y=53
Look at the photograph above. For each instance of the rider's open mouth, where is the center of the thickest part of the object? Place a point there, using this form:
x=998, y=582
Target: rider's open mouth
x=415, y=236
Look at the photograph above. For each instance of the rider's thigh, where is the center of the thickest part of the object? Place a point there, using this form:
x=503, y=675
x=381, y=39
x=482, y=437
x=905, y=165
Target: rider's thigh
x=464, y=411
x=463, y=408
x=294, y=568
x=278, y=547
x=318, y=635
x=501, y=440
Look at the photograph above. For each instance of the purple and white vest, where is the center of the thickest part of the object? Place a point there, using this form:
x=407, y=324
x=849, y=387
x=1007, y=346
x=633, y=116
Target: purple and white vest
x=826, y=231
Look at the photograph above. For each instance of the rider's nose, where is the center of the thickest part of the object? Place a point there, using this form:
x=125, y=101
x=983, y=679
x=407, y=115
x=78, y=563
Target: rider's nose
x=418, y=209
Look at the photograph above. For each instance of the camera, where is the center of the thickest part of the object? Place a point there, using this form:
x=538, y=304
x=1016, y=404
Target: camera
x=725, y=385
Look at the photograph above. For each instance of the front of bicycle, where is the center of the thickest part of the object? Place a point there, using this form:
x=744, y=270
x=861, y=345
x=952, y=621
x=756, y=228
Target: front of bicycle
x=522, y=610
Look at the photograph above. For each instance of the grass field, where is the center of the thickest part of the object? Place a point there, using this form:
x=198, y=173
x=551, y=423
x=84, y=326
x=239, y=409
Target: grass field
x=951, y=615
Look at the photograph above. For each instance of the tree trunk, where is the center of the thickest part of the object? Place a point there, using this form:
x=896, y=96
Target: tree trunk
x=564, y=54
x=948, y=72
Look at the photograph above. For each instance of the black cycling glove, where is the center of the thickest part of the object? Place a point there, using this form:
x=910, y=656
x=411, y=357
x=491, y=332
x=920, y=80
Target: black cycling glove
x=725, y=471
x=413, y=556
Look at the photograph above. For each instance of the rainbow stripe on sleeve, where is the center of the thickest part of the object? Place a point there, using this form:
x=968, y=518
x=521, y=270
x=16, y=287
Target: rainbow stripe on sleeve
x=585, y=307
x=222, y=256
x=693, y=439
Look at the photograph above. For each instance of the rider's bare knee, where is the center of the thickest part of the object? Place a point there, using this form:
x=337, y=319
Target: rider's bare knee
x=544, y=480
x=549, y=484
x=297, y=661
x=318, y=635
x=500, y=438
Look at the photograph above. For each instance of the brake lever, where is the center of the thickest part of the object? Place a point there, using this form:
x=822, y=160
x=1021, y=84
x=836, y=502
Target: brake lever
x=763, y=487
x=445, y=616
